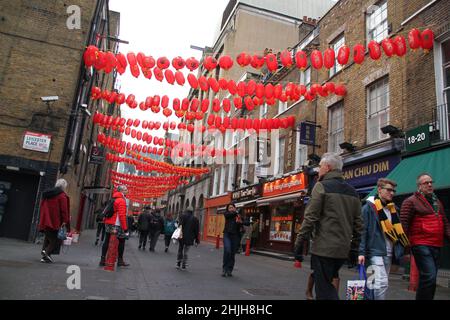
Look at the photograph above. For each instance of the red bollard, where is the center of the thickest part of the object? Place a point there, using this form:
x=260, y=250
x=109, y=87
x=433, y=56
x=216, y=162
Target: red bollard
x=111, y=255
x=297, y=264
x=413, y=275
x=247, y=247
x=218, y=241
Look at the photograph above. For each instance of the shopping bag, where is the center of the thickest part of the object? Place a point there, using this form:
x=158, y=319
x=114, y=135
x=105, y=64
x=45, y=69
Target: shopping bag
x=177, y=234
x=357, y=289
x=62, y=233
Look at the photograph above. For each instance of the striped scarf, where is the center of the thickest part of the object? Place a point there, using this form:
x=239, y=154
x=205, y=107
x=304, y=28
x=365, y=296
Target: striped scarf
x=394, y=231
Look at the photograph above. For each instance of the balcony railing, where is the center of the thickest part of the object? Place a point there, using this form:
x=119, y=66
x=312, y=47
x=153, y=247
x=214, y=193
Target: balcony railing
x=441, y=122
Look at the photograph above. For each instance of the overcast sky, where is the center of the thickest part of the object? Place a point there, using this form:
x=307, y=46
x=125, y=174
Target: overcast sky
x=163, y=28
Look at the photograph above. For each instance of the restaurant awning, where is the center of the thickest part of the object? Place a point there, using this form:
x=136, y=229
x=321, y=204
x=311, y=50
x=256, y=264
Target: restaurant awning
x=244, y=203
x=267, y=200
x=435, y=163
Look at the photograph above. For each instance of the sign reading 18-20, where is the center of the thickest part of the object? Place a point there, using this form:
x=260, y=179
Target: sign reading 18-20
x=418, y=138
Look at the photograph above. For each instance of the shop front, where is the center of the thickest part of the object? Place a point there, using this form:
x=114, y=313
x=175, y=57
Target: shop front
x=281, y=210
x=214, y=219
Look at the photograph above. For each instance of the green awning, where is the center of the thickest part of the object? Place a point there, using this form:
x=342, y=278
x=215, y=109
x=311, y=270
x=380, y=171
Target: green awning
x=436, y=163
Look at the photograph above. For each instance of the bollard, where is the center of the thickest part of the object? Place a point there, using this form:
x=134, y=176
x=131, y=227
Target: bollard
x=218, y=241
x=413, y=275
x=247, y=247
x=297, y=264
x=111, y=254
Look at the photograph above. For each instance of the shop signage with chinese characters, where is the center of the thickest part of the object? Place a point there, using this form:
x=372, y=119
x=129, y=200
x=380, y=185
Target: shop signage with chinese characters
x=289, y=184
x=248, y=193
x=36, y=141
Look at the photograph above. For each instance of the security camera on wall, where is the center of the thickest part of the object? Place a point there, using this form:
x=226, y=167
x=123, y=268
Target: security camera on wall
x=49, y=98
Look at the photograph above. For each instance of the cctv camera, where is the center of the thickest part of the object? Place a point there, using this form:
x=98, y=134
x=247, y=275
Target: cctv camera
x=50, y=98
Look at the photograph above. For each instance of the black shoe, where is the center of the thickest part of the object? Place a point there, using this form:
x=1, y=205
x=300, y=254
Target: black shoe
x=151, y=250
x=178, y=265
x=229, y=274
x=166, y=249
x=102, y=262
x=140, y=247
x=122, y=264
x=96, y=242
x=183, y=267
x=224, y=274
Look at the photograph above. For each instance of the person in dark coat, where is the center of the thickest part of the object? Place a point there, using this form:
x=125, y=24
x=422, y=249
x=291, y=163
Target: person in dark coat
x=100, y=224
x=143, y=227
x=54, y=213
x=190, y=236
x=231, y=238
x=156, y=226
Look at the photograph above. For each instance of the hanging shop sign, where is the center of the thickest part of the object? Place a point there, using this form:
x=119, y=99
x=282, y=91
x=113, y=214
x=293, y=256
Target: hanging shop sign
x=418, y=138
x=308, y=133
x=246, y=194
x=36, y=141
x=367, y=173
x=296, y=182
x=97, y=155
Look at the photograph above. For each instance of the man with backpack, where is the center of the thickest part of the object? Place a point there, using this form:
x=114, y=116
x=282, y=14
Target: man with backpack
x=156, y=223
x=116, y=223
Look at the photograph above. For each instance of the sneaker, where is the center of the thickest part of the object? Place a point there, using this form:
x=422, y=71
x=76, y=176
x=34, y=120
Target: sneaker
x=178, y=266
x=183, y=267
x=50, y=260
x=43, y=253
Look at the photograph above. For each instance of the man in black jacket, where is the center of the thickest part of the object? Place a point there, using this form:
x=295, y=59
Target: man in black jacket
x=143, y=227
x=190, y=230
x=156, y=225
x=231, y=238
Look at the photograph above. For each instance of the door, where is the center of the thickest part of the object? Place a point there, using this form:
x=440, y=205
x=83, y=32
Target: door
x=17, y=203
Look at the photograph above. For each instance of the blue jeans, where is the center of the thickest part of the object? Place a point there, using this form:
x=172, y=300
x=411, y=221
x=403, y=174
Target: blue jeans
x=427, y=261
x=230, y=246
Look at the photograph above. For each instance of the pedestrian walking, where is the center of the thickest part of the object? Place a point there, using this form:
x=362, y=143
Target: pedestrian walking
x=169, y=227
x=99, y=218
x=190, y=229
x=117, y=224
x=155, y=229
x=382, y=237
x=334, y=214
x=424, y=221
x=231, y=238
x=143, y=226
x=54, y=213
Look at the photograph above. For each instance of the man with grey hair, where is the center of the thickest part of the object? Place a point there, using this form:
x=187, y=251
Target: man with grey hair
x=425, y=223
x=54, y=213
x=334, y=216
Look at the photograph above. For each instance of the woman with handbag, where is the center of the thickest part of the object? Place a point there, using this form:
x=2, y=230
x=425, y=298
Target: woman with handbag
x=54, y=214
x=231, y=238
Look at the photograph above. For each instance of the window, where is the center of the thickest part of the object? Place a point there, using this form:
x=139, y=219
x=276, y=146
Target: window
x=335, y=127
x=339, y=42
x=279, y=169
x=282, y=106
x=244, y=171
x=263, y=111
x=377, y=23
x=301, y=153
x=377, y=110
x=216, y=181
x=231, y=175
x=305, y=77
x=446, y=70
x=222, y=179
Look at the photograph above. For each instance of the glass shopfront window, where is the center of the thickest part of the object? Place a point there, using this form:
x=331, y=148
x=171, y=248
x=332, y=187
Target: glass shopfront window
x=281, y=223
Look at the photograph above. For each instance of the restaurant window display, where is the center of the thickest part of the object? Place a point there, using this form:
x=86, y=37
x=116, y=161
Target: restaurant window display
x=281, y=224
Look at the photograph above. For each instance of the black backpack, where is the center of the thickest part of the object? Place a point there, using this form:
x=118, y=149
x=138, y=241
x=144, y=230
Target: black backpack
x=154, y=222
x=108, y=211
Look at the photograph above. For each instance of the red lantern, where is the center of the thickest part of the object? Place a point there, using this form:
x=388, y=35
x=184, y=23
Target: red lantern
x=358, y=53
x=234, y=123
x=257, y=102
x=122, y=61
x=241, y=88
x=166, y=126
x=168, y=74
x=128, y=131
x=158, y=74
x=216, y=105
x=316, y=59
x=286, y=59
x=400, y=46
x=194, y=104
x=427, y=39
x=271, y=62
x=178, y=63
x=120, y=99
x=301, y=60
x=340, y=90
x=257, y=61
x=147, y=73
x=211, y=119
x=374, y=50
x=237, y=102
x=226, y=105
x=223, y=83
x=414, y=39
x=173, y=125
x=193, y=82
x=218, y=122
x=198, y=115
x=328, y=58
x=205, y=105
x=203, y=83
x=176, y=104
x=167, y=112
x=241, y=123
x=225, y=62
x=213, y=84
x=179, y=78
x=131, y=59
x=185, y=104
x=90, y=55
x=388, y=47
x=251, y=87
x=260, y=90
x=192, y=64
x=165, y=101
x=249, y=103
x=156, y=100
x=148, y=62
x=232, y=88
x=343, y=55
x=330, y=87
x=162, y=63
x=243, y=59
x=130, y=99
x=315, y=88
x=268, y=91
x=139, y=57
x=135, y=70
x=209, y=63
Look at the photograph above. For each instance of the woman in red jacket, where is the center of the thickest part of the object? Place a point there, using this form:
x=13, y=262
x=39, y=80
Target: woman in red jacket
x=117, y=223
x=54, y=212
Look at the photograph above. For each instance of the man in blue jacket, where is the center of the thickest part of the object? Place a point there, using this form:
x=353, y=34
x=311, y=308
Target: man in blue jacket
x=382, y=236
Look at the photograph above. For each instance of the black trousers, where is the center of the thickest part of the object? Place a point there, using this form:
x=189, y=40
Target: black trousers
x=153, y=236
x=325, y=269
x=167, y=239
x=50, y=241
x=101, y=229
x=121, y=248
x=143, y=238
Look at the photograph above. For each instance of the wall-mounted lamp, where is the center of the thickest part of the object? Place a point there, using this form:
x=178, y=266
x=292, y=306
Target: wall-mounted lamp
x=347, y=146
